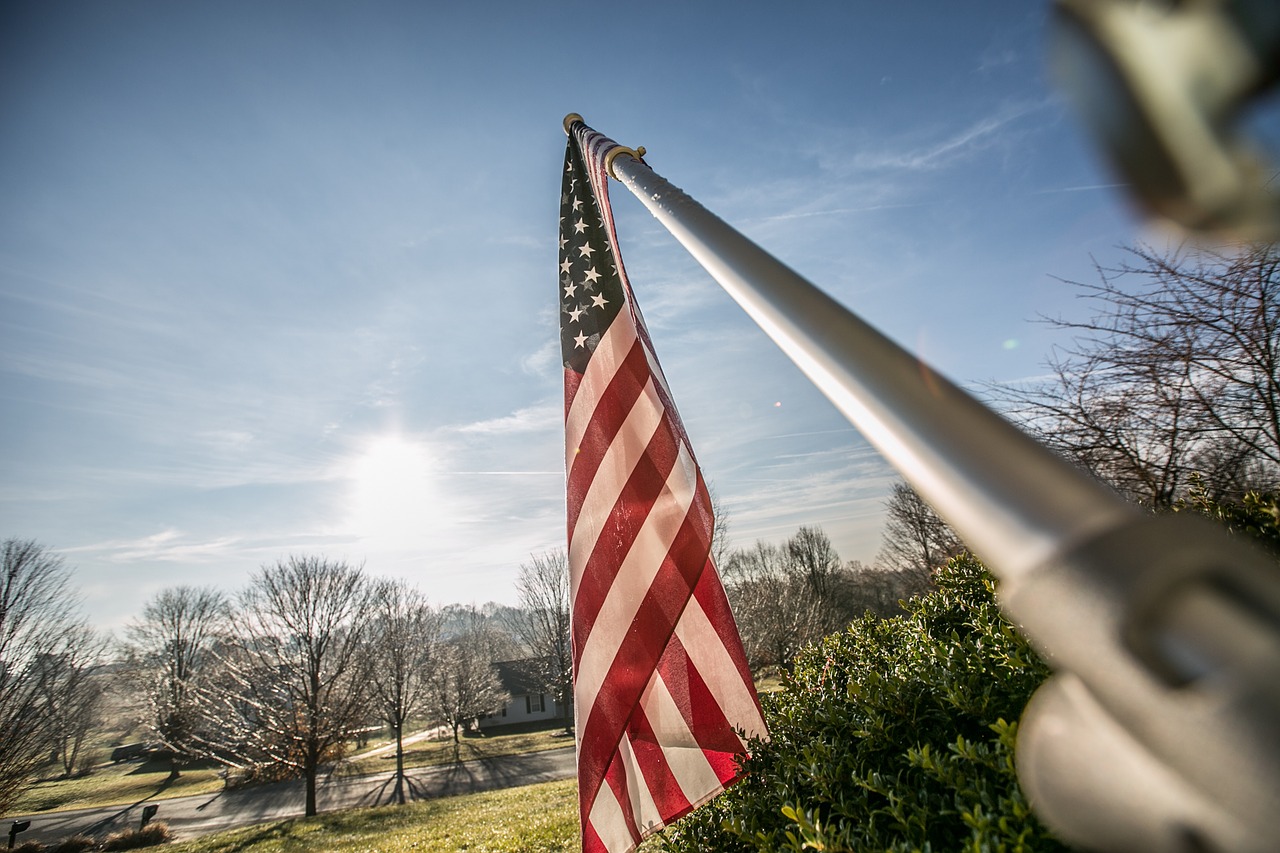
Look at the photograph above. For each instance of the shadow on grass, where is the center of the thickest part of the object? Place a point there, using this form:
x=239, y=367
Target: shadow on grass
x=485, y=773
x=388, y=793
x=149, y=766
x=173, y=768
x=119, y=819
x=254, y=836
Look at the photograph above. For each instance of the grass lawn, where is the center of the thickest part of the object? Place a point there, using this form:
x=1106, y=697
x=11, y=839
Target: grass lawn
x=117, y=784
x=532, y=819
x=131, y=781
x=770, y=683
x=513, y=740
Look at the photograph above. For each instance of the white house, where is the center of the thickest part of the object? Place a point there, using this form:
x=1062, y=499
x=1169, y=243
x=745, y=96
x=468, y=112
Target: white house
x=529, y=703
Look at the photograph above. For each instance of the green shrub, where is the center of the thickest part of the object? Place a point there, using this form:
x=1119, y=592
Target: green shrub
x=1257, y=515
x=894, y=735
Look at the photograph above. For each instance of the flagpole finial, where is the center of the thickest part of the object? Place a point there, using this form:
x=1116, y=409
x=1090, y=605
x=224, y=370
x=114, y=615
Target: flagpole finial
x=570, y=119
x=636, y=154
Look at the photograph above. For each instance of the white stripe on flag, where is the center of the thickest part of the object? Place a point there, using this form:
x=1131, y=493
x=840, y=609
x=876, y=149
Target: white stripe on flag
x=611, y=477
x=610, y=821
x=710, y=658
x=643, y=808
x=628, y=591
x=656, y=369
x=688, y=765
x=617, y=342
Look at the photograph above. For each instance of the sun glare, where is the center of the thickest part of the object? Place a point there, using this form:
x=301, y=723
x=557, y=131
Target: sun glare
x=394, y=498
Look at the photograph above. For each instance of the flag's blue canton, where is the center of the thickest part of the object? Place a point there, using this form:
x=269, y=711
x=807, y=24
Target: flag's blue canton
x=590, y=289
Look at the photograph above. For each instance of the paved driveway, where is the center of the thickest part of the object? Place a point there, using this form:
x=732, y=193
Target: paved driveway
x=205, y=813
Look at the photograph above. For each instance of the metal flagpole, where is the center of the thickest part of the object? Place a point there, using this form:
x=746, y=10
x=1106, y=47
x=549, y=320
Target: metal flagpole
x=1161, y=728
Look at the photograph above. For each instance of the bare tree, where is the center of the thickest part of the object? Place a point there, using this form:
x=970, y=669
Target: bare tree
x=720, y=552
x=1177, y=372
x=786, y=597
x=69, y=693
x=171, y=644
x=770, y=616
x=813, y=558
x=464, y=686
x=489, y=626
x=37, y=619
x=916, y=541
x=404, y=638
x=292, y=683
x=542, y=624
x=878, y=589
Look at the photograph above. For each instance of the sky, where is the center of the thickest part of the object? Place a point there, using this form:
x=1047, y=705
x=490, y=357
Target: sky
x=280, y=278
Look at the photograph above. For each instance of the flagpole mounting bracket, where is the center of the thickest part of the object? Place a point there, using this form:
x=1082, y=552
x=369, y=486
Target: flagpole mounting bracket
x=636, y=153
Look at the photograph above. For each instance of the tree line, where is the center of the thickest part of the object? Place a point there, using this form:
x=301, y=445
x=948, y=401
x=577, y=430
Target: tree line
x=786, y=596
x=273, y=681
x=276, y=680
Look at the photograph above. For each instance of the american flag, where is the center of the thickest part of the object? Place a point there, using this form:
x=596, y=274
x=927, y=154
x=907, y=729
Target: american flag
x=661, y=684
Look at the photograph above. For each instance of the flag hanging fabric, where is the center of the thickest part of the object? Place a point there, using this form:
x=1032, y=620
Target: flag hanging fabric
x=661, y=684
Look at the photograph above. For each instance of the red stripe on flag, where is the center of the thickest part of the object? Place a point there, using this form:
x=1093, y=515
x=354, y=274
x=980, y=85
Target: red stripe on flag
x=654, y=768
x=638, y=657
x=624, y=389
x=616, y=778
x=572, y=379
x=646, y=484
x=715, y=603
x=701, y=711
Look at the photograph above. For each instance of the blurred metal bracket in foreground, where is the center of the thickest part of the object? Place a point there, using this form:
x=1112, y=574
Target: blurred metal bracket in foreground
x=1161, y=729
x=1164, y=87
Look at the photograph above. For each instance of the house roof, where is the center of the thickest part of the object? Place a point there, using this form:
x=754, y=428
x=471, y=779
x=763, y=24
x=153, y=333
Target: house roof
x=520, y=677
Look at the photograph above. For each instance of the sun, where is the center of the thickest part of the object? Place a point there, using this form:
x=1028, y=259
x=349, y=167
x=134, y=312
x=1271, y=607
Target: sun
x=394, y=496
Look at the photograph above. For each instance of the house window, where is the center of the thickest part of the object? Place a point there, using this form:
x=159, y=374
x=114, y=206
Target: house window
x=535, y=704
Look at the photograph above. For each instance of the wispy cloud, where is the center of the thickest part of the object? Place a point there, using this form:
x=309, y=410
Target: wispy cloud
x=993, y=59
x=168, y=545
x=834, y=211
x=172, y=545
x=538, y=418
x=942, y=152
x=513, y=473
x=1080, y=189
x=841, y=490
x=543, y=360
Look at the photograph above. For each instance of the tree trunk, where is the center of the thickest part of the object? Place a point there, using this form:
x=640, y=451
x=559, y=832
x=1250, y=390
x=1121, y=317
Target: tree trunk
x=400, y=763
x=311, y=790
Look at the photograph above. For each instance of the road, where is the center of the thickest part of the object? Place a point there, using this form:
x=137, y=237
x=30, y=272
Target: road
x=189, y=817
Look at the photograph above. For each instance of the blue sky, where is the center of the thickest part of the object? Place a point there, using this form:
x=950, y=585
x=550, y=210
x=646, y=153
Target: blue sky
x=281, y=277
